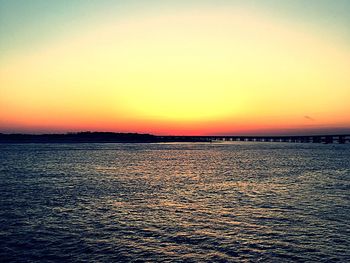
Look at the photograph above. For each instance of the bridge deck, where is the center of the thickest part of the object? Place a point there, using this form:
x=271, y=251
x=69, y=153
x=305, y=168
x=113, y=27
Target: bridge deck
x=337, y=138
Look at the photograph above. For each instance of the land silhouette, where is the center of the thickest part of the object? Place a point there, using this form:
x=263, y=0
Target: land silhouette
x=94, y=137
x=112, y=137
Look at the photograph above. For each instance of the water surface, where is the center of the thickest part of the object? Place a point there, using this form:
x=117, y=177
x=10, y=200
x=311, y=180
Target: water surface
x=224, y=202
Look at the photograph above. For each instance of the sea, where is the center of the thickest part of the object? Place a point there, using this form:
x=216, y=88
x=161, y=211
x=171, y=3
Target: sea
x=175, y=202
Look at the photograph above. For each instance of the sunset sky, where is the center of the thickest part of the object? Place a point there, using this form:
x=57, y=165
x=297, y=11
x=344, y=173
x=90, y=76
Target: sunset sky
x=175, y=67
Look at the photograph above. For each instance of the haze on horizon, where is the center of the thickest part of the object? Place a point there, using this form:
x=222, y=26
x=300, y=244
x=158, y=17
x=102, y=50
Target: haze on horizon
x=175, y=67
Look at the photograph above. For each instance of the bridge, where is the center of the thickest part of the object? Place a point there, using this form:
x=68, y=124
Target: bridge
x=326, y=139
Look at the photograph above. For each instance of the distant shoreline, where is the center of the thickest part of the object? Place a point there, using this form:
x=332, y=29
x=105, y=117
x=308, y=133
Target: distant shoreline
x=111, y=137
x=94, y=137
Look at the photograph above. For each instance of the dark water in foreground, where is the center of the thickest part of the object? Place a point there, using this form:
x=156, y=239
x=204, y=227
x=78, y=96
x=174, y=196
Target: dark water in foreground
x=239, y=202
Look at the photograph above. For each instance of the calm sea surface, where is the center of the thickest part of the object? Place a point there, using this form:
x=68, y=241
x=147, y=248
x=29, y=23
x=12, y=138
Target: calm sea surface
x=237, y=202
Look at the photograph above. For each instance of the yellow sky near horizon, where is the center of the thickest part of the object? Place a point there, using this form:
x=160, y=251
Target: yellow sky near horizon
x=191, y=71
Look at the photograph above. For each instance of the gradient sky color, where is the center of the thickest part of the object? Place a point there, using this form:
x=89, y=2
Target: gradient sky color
x=175, y=67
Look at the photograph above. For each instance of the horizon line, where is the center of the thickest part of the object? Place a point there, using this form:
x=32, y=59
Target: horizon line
x=179, y=135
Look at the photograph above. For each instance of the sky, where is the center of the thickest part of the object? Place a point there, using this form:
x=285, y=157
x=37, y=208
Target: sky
x=175, y=67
